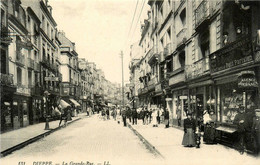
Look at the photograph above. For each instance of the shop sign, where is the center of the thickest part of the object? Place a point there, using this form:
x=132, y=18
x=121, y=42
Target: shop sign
x=247, y=79
x=51, y=78
x=234, y=54
x=183, y=97
x=158, y=88
x=176, y=79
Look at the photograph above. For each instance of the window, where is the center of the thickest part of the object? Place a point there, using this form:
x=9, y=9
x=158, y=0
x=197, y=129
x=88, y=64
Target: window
x=183, y=17
x=29, y=79
x=182, y=58
x=169, y=34
x=3, y=22
x=19, y=76
x=169, y=65
x=43, y=22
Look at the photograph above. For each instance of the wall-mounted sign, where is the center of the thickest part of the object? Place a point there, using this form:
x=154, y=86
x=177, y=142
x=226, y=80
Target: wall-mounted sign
x=183, y=97
x=234, y=54
x=51, y=78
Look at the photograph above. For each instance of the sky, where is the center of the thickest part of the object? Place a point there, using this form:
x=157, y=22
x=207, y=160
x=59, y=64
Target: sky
x=100, y=30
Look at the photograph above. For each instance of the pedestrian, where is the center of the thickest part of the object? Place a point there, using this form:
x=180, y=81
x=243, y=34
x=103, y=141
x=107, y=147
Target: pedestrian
x=166, y=118
x=189, y=131
x=129, y=114
x=256, y=131
x=209, y=126
x=162, y=114
x=150, y=115
x=142, y=115
x=158, y=116
x=179, y=115
x=154, y=118
x=146, y=115
x=134, y=116
x=239, y=120
x=64, y=115
x=124, y=117
x=107, y=113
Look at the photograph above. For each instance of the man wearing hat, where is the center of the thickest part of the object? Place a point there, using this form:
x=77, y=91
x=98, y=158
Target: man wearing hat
x=256, y=130
x=239, y=120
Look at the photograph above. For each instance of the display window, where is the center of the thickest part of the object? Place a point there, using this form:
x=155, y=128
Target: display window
x=234, y=98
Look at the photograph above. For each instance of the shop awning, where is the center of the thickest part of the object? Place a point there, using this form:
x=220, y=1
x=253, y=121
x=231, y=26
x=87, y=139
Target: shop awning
x=75, y=102
x=226, y=129
x=64, y=104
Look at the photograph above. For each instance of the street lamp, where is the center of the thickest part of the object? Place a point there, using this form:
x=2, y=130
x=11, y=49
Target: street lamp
x=46, y=102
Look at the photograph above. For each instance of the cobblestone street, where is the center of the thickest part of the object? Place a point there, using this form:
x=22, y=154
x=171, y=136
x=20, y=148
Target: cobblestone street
x=89, y=139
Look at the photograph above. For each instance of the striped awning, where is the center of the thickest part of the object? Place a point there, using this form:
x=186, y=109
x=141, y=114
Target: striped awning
x=75, y=102
x=63, y=104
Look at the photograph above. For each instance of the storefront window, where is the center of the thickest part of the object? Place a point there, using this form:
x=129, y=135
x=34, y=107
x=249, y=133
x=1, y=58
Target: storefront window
x=233, y=98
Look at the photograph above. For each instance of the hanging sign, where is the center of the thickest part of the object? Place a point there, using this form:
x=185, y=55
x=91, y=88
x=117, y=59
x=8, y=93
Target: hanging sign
x=247, y=79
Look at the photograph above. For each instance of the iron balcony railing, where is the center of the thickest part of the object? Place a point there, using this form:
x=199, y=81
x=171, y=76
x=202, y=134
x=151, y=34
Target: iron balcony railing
x=20, y=58
x=167, y=50
x=202, y=13
x=6, y=79
x=30, y=63
x=36, y=66
x=197, y=69
x=181, y=37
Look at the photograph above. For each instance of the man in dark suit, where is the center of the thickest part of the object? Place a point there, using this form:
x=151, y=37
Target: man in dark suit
x=166, y=118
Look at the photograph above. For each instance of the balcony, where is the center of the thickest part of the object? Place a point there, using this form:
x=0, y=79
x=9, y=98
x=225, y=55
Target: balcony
x=45, y=61
x=167, y=50
x=30, y=63
x=202, y=14
x=36, y=66
x=20, y=59
x=151, y=83
x=181, y=37
x=36, y=90
x=6, y=79
x=197, y=69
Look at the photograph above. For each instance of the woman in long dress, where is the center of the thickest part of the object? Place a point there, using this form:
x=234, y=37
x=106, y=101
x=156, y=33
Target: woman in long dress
x=189, y=131
x=154, y=118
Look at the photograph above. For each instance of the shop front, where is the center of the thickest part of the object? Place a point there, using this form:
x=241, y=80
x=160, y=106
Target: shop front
x=235, y=72
x=20, y=111
x=180, y=105
x=239, y=91
x=179, y=97
x=7, y=93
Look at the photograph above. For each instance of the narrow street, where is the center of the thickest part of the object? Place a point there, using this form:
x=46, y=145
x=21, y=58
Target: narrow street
x=89, y=139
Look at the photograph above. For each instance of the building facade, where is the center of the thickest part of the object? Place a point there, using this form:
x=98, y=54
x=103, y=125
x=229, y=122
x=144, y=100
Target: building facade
x=205, y=56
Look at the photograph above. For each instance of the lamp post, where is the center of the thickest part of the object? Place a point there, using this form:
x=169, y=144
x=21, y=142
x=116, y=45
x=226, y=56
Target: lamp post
x=46, y=102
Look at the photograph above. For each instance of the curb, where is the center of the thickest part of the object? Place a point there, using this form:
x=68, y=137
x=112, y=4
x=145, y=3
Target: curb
x=145, y=142
x=25, y=143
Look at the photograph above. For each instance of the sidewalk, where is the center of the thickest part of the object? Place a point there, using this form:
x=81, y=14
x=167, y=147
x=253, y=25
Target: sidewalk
x=168, y=143
x=16, y=139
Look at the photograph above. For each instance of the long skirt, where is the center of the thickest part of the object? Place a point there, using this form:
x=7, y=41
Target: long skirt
x=188, y=138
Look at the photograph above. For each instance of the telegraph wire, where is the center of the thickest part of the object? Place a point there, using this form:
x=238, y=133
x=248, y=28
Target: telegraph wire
x=133, y=19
